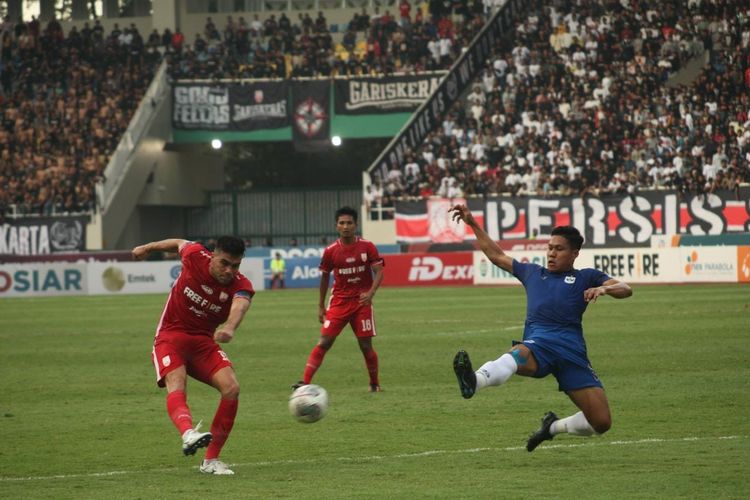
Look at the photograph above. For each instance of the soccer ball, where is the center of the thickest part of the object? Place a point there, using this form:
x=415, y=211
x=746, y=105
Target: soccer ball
x=308, y=403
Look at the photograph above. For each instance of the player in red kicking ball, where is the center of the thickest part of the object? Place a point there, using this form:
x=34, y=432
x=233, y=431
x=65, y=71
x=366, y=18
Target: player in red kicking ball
x=206, y=306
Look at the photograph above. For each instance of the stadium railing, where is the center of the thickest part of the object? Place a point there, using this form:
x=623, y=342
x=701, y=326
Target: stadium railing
x=119, y=161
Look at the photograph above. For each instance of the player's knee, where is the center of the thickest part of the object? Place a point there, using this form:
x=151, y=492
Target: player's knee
x=325, y=343
x=602, y=423
x=231, y=390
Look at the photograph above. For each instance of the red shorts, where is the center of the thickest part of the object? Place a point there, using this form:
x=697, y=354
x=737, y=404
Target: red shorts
x=199, y=354
x=341, y=312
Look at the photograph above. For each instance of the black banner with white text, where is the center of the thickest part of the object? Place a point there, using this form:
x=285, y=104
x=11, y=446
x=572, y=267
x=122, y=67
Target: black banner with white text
x=613, y=221
x=43, y=235
x=380, y=95
x=256, y=106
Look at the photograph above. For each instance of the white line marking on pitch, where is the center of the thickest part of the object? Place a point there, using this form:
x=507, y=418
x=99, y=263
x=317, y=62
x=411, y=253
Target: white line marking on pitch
x=383, y=457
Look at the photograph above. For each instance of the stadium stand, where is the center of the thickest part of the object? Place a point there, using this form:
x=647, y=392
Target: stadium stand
x=278, y=48
x=589, y=99
x=66, y=101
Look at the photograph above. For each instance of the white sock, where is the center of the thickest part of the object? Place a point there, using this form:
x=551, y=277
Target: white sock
x=574, y=424
x=496, y=372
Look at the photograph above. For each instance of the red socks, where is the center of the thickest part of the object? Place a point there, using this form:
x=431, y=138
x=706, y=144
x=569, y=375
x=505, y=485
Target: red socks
x=179, y=412
x=221, y=426
x=313, y=363
x=371, y=359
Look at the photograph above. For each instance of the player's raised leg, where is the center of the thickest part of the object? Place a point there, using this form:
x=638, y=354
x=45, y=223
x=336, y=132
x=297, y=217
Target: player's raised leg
x=518, y=360
x=179, y=412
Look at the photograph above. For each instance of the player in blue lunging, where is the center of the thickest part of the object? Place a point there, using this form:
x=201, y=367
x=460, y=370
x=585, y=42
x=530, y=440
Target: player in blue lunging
x=553, y=342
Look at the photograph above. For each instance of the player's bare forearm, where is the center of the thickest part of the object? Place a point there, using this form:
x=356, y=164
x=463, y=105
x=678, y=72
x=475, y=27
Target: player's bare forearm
x=611, y=287
x=365, y=298
x=377, y=279
x=618, y=290
x=486, y=244
x=225, y=332
x=169, y=245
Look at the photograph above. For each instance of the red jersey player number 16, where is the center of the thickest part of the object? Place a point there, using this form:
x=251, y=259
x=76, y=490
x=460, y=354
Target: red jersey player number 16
x=357, y=273
x=205, y=307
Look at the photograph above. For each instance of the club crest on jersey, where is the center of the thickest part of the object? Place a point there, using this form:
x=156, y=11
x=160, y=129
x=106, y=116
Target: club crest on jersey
x=223, y=297
x=207, y=289
x=166, y=361
x=364, y=257
x=570, y=279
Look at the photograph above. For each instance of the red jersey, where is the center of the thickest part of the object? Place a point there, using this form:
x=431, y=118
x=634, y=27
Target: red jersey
x=351, y=266
x=198, y=303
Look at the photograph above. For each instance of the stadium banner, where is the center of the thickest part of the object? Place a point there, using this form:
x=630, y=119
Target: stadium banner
x=613, y=221
x=43, y=235
x=487, y=273
x=429, y=116
x=470, y=246
x=301, y=272
x=637, y=265
x=308, y=251
x=34, y=280
x=430, y=221
x=422, y=269
x=106, y=278
x=743, y=264
x=311, y=117
x=380, y=95
x=95, y=256
x=236, y=107
x=707, y=264
x=634, y=265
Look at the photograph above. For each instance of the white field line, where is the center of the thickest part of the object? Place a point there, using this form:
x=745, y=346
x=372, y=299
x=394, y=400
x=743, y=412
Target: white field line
x=369, y=458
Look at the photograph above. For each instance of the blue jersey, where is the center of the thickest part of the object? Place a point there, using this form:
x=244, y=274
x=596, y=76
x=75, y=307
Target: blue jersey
x=553, y=331
x=554, y=301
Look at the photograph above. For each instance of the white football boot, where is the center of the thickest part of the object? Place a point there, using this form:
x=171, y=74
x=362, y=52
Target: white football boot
x=215, y=466
x=192, y=439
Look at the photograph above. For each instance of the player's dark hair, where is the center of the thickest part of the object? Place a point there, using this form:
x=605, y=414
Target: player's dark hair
x=346, y=211
x=231, y=245
x=571, y=234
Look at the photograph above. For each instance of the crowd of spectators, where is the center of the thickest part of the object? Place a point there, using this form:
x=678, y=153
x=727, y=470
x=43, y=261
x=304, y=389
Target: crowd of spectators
x=65, y=103
x=376, y=43
x=579, y=101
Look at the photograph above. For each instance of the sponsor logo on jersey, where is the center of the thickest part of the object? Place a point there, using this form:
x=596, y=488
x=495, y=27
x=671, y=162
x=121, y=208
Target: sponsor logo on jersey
x=207, y=289
x=198, y=312
x=200, y=302
x=352, y=270
x=349, y=260
x=432, y=268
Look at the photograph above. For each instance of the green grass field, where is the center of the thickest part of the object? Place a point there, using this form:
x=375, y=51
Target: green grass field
x=82, y=417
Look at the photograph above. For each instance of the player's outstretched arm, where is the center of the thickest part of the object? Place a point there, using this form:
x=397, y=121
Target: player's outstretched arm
x=225, y=332
x=612, y=287
x=172, y=245
x=490, y=248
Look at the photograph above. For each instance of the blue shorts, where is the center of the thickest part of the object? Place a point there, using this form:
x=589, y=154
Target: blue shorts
x=569, y=366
